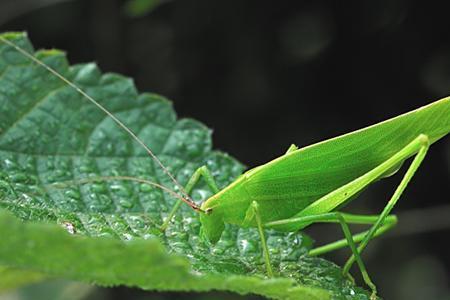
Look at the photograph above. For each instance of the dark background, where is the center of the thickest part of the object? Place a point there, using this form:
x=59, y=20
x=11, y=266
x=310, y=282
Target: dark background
x=265, y=74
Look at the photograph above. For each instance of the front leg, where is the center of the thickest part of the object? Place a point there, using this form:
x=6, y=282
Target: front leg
x=204, y=172
x=254, y=214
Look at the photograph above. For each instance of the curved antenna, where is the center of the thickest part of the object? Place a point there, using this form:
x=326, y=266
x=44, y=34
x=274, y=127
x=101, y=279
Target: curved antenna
x=125, y=178
x=185, y=196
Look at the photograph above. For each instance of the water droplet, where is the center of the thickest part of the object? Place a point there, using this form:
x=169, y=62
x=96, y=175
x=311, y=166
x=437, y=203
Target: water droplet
x=85, y=168
x=105, y=234
x=59, y=173
x=211, y=164
x=9, y=164
x=136, y=222
x=121, y=190
x=244, y=245
x=125, y=203
x=143, y=187
x=94, y=207
x=217, y=251
x=99, y=188
x=109, y=147
x=127, y=236
x=75, y=203
x=18, y=177
x=153, y=198
x=20, y=187
x=49, y=178
x=75, y=194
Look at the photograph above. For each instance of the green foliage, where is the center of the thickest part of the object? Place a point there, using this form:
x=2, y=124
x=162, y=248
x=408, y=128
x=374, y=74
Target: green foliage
x=50, y=134
x=12, y=278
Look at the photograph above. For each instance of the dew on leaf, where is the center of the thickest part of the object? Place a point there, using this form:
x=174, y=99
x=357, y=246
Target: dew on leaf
x=18, y=177
x=143, y=187
x=85, y=168
x=217, y=251
x=9, y=165
x=121, y=190
x=98, y=188
x=74, y=194
x=59, y=173
x=94, y=207
x=20, y=187
x=211, y=164
x=127, y=236
x=237, y=253
x=126, y=203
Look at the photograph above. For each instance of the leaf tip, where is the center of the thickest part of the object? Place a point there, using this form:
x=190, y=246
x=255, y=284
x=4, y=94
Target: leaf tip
x=14, y=35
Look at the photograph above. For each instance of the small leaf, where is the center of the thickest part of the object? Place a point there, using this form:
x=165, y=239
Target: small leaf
x=106, y=232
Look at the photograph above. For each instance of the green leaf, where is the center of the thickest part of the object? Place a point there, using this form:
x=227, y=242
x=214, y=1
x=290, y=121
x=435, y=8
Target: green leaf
x=13, y=278
x=50, y=134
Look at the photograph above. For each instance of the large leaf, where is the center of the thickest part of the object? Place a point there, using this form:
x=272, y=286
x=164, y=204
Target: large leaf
x=50, y=134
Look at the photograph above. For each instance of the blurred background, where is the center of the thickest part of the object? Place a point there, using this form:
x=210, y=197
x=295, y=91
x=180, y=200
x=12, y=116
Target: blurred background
x=265, y=74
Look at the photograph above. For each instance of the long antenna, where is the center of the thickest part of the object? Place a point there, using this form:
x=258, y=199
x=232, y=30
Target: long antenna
x=186, y=198
x=124, y=178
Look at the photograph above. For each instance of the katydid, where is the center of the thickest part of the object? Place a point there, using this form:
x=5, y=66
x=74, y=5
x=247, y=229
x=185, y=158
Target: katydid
x=311, y=184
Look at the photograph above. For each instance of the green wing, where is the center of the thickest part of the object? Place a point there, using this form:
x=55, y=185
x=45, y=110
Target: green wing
x=305, y=175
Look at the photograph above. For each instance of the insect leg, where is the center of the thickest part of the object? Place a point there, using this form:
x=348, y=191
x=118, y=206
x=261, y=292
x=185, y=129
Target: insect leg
x=424, y=145
x=332, y=200
x=255, y=214
x=334, y=217
x=204, y=172
x=388, y=224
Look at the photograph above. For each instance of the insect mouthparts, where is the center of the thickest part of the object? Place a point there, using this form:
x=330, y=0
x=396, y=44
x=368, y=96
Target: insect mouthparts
x=204, y=211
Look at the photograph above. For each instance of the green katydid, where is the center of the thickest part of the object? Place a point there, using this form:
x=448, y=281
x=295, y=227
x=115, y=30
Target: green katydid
x=311, y=184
